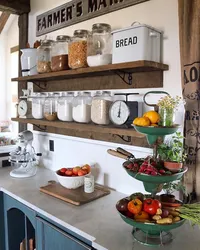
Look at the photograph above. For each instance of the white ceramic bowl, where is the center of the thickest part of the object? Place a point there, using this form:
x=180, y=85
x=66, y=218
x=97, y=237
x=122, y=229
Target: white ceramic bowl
x=71, y=182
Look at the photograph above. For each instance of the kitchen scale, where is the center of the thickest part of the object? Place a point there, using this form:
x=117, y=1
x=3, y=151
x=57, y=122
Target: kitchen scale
x=124, y=112
x=24, y=157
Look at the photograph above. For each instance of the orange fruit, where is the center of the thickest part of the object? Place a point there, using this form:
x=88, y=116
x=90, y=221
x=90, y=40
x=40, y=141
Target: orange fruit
x=142, y=121
x=153, y=116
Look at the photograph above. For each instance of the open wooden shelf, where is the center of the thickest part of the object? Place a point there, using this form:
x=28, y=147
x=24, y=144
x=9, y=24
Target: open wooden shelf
x=81, y=127
x=130, y=67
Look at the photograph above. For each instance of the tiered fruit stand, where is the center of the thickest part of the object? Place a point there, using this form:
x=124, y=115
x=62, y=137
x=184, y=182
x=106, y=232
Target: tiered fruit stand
x=147, y=233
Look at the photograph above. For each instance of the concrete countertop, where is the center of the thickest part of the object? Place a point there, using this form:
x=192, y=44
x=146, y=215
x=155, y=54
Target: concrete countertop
x=97, y=221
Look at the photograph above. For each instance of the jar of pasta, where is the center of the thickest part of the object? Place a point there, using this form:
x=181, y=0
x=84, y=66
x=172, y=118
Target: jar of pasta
x=78, y=49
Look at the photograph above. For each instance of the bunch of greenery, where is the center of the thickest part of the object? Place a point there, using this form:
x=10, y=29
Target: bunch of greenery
x=173, y=150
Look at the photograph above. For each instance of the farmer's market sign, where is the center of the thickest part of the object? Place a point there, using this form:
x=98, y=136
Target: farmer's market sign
x=77, y=11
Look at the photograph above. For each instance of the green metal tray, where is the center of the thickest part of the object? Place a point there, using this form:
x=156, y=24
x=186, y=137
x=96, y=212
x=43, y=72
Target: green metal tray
x=155, y=133
x=151, y=228
x=154, y=184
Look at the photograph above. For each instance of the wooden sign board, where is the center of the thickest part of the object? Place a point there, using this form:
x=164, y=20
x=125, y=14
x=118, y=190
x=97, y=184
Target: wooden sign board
x=77, y=11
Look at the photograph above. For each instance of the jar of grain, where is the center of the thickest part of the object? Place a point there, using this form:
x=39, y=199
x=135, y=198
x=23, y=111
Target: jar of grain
x=65, y=106
x=44, y=57
x=59, y=55
x=100, y=108
x=82, y=107
x=50, y=106
x=78, y=49
x=38, y=100
x=99, y=51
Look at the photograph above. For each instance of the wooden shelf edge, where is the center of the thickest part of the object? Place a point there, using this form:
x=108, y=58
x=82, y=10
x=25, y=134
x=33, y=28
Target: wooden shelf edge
x=82, y=127
x=137, y=66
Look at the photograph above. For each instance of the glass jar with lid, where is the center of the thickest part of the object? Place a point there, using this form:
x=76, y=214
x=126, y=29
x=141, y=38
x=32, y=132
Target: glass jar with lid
x=100, y=108
x=44, y=56
x=65, y=106
x=59, y=55
x=100, y=45
x=78, y=49
x=50, y=106
x=38, y=100
x=82, y=107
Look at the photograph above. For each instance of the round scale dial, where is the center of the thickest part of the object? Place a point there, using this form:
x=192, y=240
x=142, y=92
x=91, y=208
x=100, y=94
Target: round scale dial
x=22, y=108
x=119, y=112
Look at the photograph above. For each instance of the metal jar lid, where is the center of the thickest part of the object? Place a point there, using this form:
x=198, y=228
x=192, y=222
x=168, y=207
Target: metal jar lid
x=81, y=33
x=63, y=38
x=101, y=28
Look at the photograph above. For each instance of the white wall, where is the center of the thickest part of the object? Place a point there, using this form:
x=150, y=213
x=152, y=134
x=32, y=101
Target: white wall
x=3, y=40
x=160, y=14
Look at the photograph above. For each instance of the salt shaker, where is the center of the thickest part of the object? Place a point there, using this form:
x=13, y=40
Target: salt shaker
x=89, y=184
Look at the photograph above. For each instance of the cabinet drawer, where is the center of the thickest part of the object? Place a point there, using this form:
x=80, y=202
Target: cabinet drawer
x=50, y=237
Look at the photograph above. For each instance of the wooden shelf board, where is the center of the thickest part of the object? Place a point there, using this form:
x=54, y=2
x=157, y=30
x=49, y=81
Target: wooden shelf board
x=130, y=67
x=82, y=127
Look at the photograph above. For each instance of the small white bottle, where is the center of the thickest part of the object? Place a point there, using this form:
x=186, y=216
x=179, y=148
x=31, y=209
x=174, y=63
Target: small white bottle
x=89, y=184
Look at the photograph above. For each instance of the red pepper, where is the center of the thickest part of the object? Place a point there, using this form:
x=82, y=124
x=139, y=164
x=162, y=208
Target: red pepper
x=151, y=206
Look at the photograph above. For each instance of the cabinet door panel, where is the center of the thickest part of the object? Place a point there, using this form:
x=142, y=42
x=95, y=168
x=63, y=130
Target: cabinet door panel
x=50, y=237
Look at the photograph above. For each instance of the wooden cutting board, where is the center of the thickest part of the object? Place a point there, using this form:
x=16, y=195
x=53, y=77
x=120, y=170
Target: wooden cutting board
x=74, y=196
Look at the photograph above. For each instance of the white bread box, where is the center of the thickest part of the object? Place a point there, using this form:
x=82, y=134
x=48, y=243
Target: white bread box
x=138, y=42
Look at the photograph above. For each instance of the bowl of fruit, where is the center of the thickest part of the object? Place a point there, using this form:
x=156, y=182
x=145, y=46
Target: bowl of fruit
x=73, y=178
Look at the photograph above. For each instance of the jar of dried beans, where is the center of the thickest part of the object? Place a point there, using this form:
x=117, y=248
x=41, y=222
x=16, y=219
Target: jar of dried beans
x=44, y=57
x=101, y=103
x=59, y=56
x=78, y=49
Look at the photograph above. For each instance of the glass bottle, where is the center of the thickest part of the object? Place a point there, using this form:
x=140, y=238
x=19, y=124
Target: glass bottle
x=44, y=57
x=38, y=100
x=82, y=107
x=50, y=107
x=65, y=106
x=100, y=108
x=100, y=45
x=78, y=49
x=59, y=56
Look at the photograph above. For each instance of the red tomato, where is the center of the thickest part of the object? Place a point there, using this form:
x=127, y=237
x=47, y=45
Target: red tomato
x=63, y=170
x=69, y=172
x=151, y=206
x=82, y=172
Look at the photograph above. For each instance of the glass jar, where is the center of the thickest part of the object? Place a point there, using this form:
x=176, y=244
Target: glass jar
x=65, y=106
x=44, y=57
x=100, y=45
x=50, y=107
x=78, y=49
x=167, y=117
x=59, y=55
x=82, y=107
x=38, y=100
x=100, y=108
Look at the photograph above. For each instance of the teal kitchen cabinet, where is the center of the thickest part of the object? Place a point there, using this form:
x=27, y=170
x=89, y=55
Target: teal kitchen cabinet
x=50, y=237
x=19, y=223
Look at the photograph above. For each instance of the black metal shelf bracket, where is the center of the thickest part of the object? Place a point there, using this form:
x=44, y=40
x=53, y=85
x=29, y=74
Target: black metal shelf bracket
x=41, y=85
x=124, y=138
x=41, y=128
x=127, y=77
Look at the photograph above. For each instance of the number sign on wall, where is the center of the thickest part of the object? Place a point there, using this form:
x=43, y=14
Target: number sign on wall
x=77, y=11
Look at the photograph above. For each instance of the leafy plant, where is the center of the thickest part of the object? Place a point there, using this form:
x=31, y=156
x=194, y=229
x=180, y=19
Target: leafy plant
x=173, y=150
x=171, y=187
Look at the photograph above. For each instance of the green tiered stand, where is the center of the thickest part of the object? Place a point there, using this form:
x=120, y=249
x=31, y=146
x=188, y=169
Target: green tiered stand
x=151, y=234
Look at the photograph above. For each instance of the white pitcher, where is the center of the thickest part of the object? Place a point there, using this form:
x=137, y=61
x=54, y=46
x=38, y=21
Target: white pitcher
x=29, y=62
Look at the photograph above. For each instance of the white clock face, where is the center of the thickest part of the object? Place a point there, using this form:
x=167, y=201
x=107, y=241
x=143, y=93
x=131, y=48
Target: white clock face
x=22, y=108
x=119, y=112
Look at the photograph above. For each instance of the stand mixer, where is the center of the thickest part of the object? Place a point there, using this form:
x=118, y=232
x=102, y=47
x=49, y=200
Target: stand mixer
x=24, y=157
